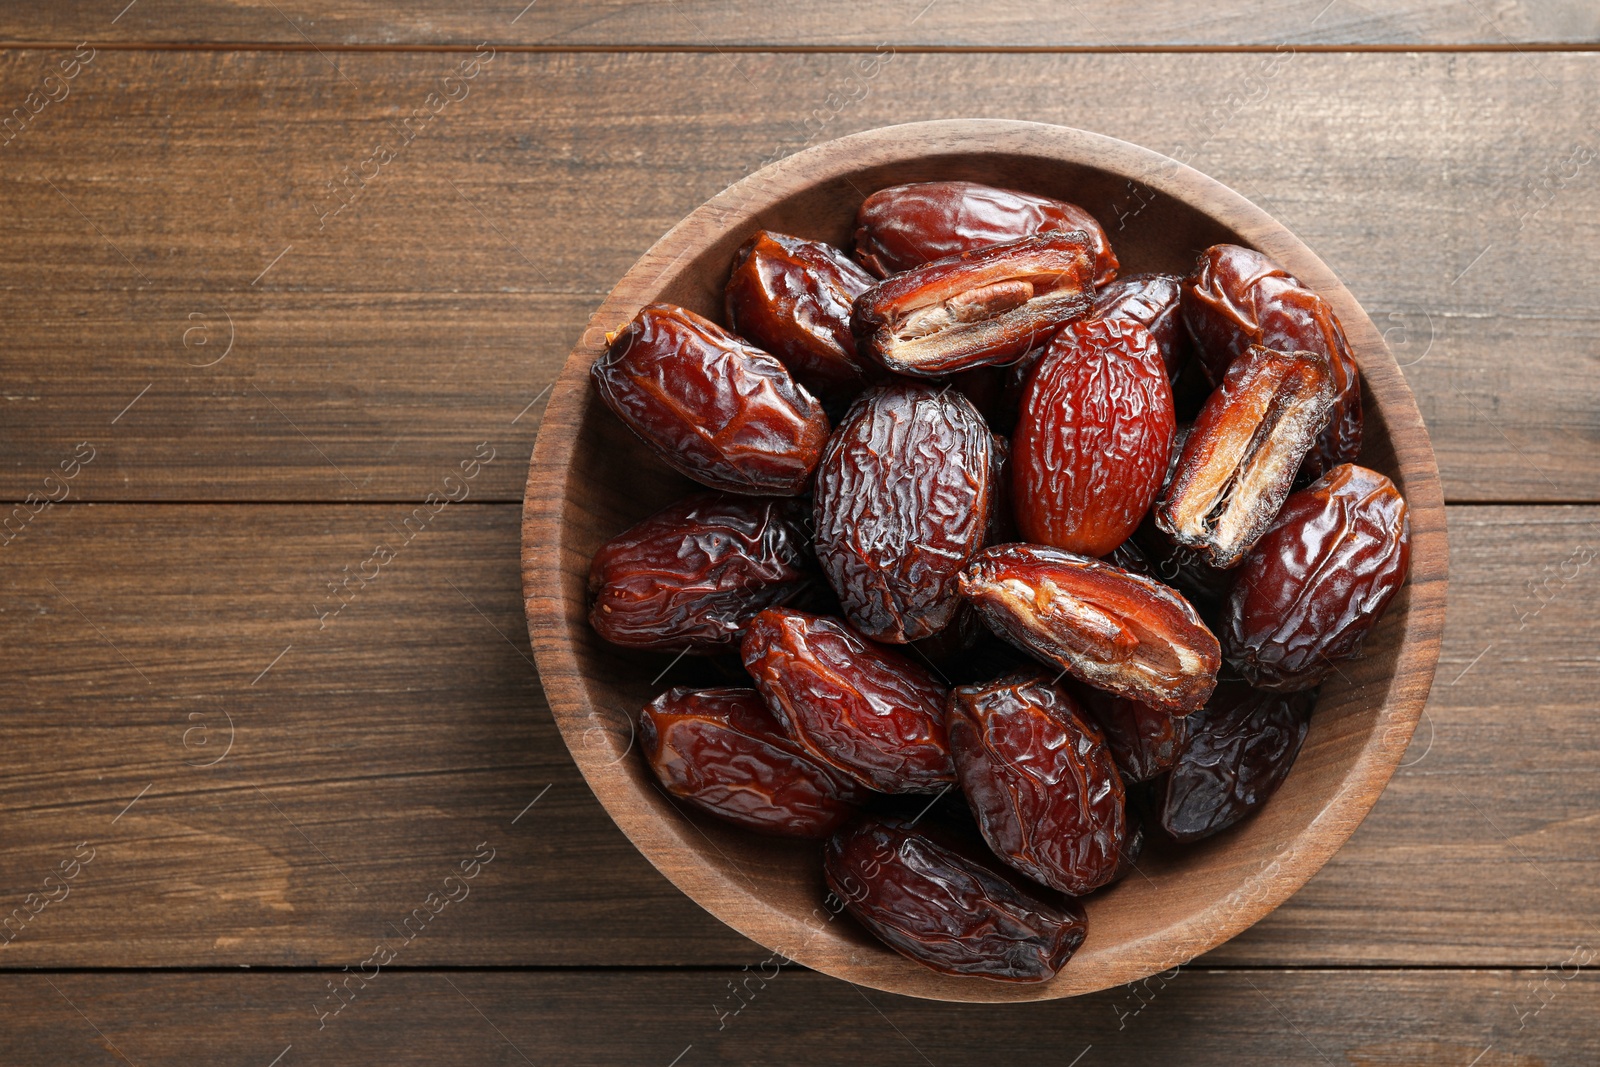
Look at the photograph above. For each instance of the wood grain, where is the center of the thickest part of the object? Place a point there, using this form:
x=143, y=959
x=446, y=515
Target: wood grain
x=830, y=24
x=409, y=730
x=1504, y=1018
x=398, y=331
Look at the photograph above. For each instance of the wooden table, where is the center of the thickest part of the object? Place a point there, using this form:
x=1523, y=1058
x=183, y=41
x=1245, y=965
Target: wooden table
x=274, y=274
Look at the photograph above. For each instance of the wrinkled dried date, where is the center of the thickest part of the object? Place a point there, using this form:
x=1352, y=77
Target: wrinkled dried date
x=722, y=751
x=1318, y=581
x=1040, y=780
x=713, y=406
x=903, y=499
x=867, y=712
x=1153, y=301
x=947, y=907
x=1240, y=458
x=792, y=297
x=1240, y=749
x=693, y=574
x=1092, y=438
x=1117, y=631
x=906, y=226
x=1144, y=739
x=982, y=307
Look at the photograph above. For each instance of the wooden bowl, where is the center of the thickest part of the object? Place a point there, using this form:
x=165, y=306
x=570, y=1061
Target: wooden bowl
x=589, y=479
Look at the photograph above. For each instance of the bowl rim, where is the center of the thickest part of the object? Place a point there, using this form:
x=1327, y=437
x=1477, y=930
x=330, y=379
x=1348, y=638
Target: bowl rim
x=738, y=207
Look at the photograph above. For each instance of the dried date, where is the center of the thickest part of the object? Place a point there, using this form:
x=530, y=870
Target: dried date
x=1040, y=780
x=1093, y=437
x=903, y=499
x=693, y=574
x=982, y=307
x=1117, y=631
x=1144, y=739
x=862, y=709
x=712, y=406
x=1239, y=751
x=792, y=297
x=1318, y=581
x=906, y=226
x=722, y=751
x=1239, y=459
x=1154, y=302
x=946, y=906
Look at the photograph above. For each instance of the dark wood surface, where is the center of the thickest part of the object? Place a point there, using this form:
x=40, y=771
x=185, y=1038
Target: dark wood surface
x=377, y=354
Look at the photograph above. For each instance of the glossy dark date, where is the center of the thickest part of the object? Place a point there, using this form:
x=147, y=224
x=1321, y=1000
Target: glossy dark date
x=1318, y=581
x=1154, y=302
x=946, y=906
x=711, y=405
x=1144, y=739
x=693, y=574
x=722, y=751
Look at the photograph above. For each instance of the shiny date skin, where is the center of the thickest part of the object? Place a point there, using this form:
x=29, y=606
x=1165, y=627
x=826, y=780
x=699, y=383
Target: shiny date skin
x=712, y=406
x=1144, y=739
x=867, y=712
x=693, y=574
x=983, y=307
x=1239, y=751
x=1117, y=631
x=1237, y=297
x=903, y=499
x=906, y=226
x=947, y=906
x=1239, y=459
x=722, y=751
x=1318, y=581
x=792, y=297
x=1154, y=302
x=1040, y=780
x=1093, y=437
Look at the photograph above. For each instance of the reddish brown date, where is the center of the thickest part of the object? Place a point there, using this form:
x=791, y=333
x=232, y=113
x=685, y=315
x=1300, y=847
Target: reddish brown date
x=906, y=226
x=714, y=407
x=982, y=307
x=1117, y=631
x=1040, y=780
x=1318, y=581
x=1092, y=438
x=903, y=499
x=1240, y=458
x=792, y=297
x=1237, y=297
x=1240, y=749
x=723, y=752
x=947, y=907
x=1153, y=301
x=693, y=574
x=1145, y=740
x=867, y=712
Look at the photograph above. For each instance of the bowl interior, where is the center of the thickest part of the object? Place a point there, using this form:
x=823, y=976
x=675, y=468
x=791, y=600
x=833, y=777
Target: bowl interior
x=590, y=479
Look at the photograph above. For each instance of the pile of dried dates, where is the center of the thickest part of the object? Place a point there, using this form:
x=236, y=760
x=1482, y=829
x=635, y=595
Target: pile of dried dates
x=1004, y=562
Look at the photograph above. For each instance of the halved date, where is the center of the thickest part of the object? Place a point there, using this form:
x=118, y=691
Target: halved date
x=981, y=307
x=792, y=297
x=946, y=906
x=723, y=752
x=1239, y=751
x=1117, y=631
x=1093, y=437
x=1318, y=581
x=863, y=710
x=1154, y=302
x=714, y=407
x=903, y=499
x=1239, y=460
x=1144, y=739
x=1040, y=780
x=693, y=574
x=906, y=226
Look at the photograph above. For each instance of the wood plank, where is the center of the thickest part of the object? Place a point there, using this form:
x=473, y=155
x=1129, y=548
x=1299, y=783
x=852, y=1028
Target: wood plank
x=1467, y=229
x=374, y=754
x=830, y=24
x=1239, y=1018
